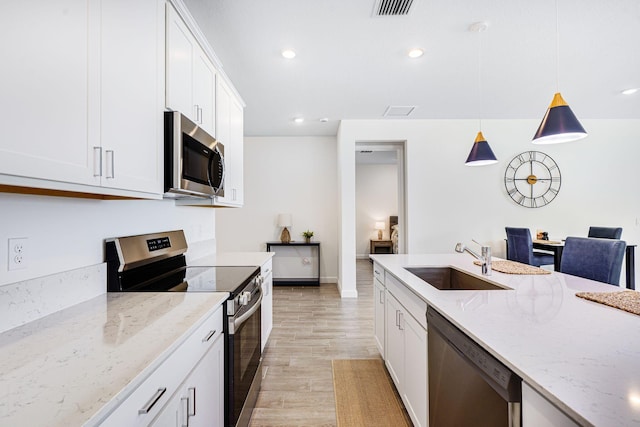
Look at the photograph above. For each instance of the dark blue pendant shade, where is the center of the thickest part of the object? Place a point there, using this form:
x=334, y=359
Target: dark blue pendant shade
x=559, y=124
x=481, y=153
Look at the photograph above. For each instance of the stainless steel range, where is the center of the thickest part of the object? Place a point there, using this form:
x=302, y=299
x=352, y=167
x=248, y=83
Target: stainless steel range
x=156, y=263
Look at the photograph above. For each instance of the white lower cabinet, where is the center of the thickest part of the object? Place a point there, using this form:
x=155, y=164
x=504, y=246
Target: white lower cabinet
x=267, y=301
x=539, y=412
x=405, y=347
x=187, y=386
x=379, y=315
x=199, y=401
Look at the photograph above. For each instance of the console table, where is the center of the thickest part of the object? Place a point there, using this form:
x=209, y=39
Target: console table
x=380, y=246
x=295, y=263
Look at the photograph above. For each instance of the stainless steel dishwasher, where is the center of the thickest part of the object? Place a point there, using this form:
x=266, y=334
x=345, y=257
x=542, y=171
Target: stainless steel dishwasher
x=467, y=385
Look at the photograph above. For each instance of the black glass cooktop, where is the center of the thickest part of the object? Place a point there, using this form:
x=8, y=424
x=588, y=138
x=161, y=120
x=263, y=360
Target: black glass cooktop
x=197, y=279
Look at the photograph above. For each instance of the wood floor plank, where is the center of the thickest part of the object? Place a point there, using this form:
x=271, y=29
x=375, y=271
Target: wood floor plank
x=311, y=327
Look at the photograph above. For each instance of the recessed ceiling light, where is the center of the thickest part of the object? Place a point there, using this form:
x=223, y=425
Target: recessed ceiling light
x=299, y=119
x=288, y=53
x=630, y=91
x=416, y=53
x=324, y=120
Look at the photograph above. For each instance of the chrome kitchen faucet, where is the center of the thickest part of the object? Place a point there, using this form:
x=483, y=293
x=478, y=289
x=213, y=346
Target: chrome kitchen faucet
x=484, y=257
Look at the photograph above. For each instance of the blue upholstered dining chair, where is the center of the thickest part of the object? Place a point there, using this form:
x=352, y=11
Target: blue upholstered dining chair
x=605, y=232
x=520, y=248
x=595, y=259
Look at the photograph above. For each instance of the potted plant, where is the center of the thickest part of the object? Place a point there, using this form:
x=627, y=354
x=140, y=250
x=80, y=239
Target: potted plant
x=307, y=236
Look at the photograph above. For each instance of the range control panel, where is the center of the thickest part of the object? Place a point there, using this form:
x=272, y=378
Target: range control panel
x=159, y=243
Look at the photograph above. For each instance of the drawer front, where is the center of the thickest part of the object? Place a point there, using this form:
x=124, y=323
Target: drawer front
x=142, y=406
x=415, y=305
x=378, y=272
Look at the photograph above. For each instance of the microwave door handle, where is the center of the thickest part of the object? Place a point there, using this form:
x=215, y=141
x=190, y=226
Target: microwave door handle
x=237, y=322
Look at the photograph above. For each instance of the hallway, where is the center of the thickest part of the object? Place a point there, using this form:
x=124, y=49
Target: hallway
x=312, y=326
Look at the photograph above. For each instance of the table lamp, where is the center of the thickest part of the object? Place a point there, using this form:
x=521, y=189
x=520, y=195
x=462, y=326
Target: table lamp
x=379, y=227
x=284, y=220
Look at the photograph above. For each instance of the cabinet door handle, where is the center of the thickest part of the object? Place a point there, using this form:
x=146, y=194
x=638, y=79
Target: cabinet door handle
x=397, y=318
x=110, y=164
x=97, y=161
x=192, y=402
x=209, y=335
x=400, y=320
x=381, y=297
x=185, y=411
x=196, y=111
x=154, y=399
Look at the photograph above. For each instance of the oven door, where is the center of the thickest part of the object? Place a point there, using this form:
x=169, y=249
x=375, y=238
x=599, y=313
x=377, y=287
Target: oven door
x=243, y=358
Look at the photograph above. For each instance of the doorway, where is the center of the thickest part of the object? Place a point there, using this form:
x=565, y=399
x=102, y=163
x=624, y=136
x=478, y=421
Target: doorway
x=380, y=197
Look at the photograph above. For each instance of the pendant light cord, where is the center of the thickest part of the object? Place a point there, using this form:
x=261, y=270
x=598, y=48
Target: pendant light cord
x=557, y=51
x=480, y=79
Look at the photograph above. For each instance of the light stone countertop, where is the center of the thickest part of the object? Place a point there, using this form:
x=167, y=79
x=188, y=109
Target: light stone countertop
x=582, y=356
x=80, y=362
x=234, y=259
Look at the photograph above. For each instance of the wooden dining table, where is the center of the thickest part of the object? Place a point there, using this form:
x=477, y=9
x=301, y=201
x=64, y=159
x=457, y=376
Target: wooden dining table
x=557, y=246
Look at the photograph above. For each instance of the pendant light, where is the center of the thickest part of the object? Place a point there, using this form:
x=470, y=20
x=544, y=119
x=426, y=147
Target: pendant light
x=559, y=124
x=481, y=153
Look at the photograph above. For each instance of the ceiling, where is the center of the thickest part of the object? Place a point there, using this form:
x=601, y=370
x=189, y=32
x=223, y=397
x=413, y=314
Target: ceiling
x=353, y=65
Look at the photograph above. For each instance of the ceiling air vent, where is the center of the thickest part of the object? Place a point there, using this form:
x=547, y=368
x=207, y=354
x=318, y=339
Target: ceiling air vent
x=399, y=111
x=392, y=7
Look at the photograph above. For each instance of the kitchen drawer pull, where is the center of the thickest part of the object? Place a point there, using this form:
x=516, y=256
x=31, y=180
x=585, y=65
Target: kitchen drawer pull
x=154, y=399
x=192, y=401
x=376, y=271
x=185, y=411
x=209, y=335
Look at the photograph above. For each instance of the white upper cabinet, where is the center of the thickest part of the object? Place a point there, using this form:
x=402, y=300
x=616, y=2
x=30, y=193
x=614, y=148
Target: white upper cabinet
x=131, y=98
x=190, y=83
x=230, y=132
x=85, y=87
x=46, y=91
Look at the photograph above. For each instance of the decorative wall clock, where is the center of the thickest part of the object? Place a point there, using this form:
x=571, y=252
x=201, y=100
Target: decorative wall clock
x=532, y=179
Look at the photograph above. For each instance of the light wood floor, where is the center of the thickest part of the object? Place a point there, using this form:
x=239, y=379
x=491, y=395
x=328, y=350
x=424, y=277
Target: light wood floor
x=311, y=326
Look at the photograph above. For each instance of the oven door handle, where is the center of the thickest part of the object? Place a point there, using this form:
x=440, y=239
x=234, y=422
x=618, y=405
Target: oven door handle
x=235, y=323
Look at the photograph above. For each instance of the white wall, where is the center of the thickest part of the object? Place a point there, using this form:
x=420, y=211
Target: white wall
x=449, y=202
x=376, y=200
x=67, y=233
x=296, y=175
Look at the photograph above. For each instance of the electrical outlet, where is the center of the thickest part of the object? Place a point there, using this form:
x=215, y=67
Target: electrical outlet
x=17, y=253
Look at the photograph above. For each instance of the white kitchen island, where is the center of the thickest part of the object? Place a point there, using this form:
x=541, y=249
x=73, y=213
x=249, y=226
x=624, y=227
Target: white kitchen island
x=581, y=356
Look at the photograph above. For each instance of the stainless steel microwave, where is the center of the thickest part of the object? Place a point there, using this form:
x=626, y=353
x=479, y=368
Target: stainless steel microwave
x=194, y=160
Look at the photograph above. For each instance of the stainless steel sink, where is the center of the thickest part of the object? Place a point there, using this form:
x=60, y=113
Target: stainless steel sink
x=450, y=279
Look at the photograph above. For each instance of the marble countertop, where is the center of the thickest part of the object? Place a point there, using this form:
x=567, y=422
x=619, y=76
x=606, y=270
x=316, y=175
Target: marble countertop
x=65, y=368
x=234, y=259
x=582, y=356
